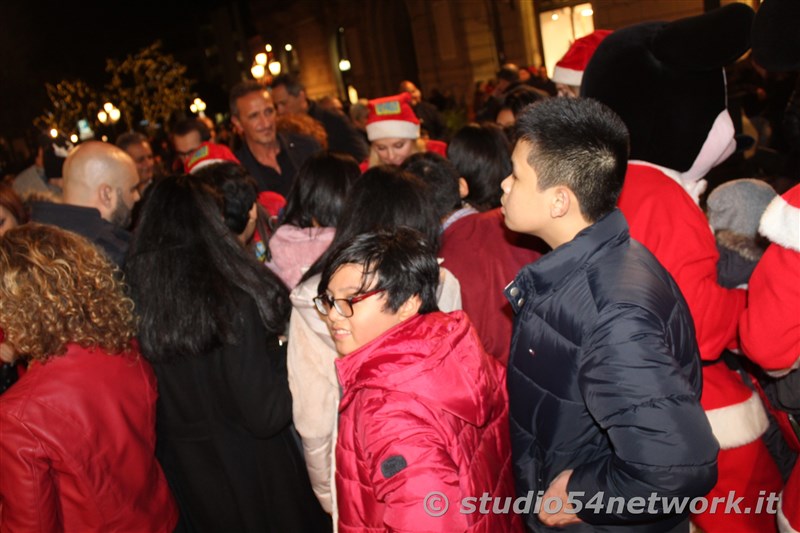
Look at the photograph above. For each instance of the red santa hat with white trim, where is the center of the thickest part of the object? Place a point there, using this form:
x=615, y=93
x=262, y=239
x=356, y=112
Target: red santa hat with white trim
x=207, y=154
x=391, y=117
x=780, y=222
x=569, y=69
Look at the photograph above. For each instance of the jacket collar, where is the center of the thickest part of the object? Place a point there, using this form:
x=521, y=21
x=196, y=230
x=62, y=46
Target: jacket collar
x=435, y=357
x=544, y=275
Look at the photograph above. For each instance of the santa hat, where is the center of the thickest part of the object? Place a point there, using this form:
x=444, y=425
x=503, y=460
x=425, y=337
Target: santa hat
x=208, y=154
x=391, y=117
x=781, y=220
x=569, y=69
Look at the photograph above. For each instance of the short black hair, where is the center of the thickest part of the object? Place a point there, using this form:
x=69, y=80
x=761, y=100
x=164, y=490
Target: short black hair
x=441, y=177
x=238, y=189
x=188, y=125
x=578, y=143
x=293, y=86
x=402, y=262
x=242, y=89
x=130, y=138
x=482, y=156
x=319, y=190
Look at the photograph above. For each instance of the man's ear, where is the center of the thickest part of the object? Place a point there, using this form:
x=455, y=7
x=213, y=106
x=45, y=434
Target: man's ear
x=410, y=307
x=237, y=126
x=560, y=202
x=463, y=188
x=106, y=195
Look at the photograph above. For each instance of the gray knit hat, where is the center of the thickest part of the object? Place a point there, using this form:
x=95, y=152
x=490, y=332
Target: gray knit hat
x=737, y=205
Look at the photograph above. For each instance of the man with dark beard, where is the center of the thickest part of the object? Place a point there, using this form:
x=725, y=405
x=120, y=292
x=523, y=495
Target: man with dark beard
x=100, y=190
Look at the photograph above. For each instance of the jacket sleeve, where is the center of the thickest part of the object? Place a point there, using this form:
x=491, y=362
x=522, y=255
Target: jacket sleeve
x=688, y=251
x=660, y=438
x=254, y=373
x=407, y=459
x=28, y=495
x=315, y=397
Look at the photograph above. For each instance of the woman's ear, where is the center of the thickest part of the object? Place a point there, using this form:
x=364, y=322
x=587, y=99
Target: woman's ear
x=463, y=188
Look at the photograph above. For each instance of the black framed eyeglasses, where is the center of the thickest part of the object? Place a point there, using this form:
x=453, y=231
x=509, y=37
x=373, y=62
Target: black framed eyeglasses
x=343, y=306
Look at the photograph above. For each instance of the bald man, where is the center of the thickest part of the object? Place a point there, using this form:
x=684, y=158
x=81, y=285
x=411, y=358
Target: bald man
x=100, y=190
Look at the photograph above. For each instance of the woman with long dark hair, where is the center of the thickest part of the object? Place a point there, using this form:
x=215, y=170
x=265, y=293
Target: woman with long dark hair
x=211, y=319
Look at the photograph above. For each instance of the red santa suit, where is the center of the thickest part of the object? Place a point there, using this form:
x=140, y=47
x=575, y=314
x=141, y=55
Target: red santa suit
x=770, y=326
x=663, y=217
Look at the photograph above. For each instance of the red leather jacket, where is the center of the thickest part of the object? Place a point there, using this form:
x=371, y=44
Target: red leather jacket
x=424, y=409
x=77, y=447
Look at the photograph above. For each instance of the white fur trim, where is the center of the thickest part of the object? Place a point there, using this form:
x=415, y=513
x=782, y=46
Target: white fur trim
x=392, y=129
x=780, y=223
x=738, y=424
x=567, y=76
x=783, y=523
x=205, y=163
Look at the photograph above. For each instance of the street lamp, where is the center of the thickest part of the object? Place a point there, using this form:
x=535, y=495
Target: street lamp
x=274, y=67
x=109, y=114
x=53, y=133
x=198, y=106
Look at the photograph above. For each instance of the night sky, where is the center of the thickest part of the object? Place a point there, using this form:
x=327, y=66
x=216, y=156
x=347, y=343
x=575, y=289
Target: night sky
x=47, y=41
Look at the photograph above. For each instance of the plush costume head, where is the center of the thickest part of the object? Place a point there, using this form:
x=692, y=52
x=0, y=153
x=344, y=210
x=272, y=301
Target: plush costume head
x=667, y=83
x=776, y=35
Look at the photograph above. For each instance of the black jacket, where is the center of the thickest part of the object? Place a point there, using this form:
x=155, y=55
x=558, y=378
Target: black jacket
x=87, y=222
x=295, y=149
x=604, y=378
x=226, y=442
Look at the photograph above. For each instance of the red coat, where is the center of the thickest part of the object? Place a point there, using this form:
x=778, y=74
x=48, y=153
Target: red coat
x=485, y=256
x=77, y=447
x=424, y=409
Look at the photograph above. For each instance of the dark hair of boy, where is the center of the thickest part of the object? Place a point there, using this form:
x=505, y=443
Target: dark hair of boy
x=319, y=190
x=184, y=254
x=402, y=263
x=441, y=177
x=239, y=192
x=383, y=198
x=578, y=143
x=482, y=156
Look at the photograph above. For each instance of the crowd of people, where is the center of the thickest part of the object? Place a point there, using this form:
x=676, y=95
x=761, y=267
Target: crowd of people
x=361, y=321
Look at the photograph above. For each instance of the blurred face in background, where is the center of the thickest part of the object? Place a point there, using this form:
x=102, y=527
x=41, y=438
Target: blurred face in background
x=255, y=118
x=145, y=163
x=394, y=151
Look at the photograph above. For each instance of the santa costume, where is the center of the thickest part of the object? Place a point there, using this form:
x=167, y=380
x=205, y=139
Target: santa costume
x=666, y=81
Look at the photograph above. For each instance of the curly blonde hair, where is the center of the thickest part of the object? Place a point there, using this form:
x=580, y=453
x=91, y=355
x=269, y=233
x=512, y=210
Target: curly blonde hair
x=56, y=288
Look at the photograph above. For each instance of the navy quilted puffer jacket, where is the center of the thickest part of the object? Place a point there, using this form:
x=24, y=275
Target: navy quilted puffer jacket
x=604, y=378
